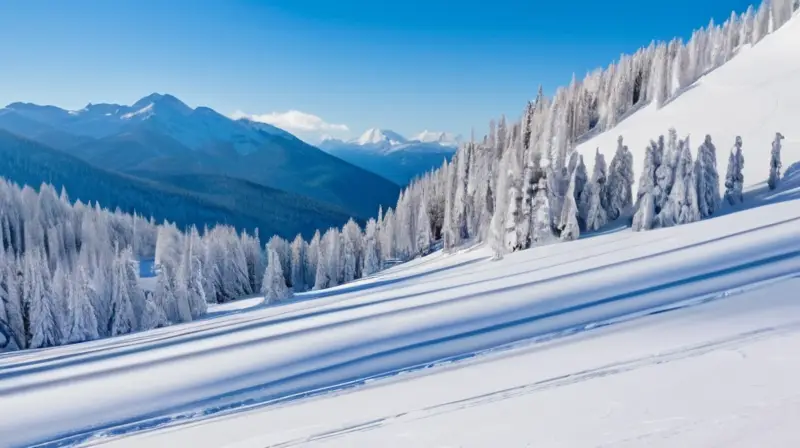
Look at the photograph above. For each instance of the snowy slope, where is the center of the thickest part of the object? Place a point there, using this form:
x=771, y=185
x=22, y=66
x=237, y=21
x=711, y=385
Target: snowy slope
x=433, y=309
x=652, y=382
x=754, y=95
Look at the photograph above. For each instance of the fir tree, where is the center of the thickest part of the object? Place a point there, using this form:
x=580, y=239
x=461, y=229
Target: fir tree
x=274, y=286
x=423, y=229
x=81, y=320
x=734, y=179
x=775, y=163
x=707, y=178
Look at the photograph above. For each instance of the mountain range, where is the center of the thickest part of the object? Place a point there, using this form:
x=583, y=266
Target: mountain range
x=393, y=156
x=160, y=143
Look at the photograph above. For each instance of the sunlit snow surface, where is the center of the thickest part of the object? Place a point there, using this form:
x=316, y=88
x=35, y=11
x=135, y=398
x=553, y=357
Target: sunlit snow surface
x=589, y=357
x=685, y=336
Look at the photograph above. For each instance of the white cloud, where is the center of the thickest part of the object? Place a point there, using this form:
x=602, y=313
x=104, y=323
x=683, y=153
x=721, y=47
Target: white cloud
x=294, y=121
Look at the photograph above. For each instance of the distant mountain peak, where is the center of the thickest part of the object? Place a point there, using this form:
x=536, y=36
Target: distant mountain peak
x=160, y=102
x=443, y=138
x=377, y=136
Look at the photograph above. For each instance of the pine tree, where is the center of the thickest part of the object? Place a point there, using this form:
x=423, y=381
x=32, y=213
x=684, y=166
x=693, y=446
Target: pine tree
x=683, y=207
x=667, y=160
x=645, y=213
x=707, y=178
x=350, y=252
x=569, y=226
x=775, y=163
x=734, y=179
x=154, y=316
x=423, y=229
x=81, y=319
x=322, y=279
x=595, y=213
x=620, y=180
x=542, y=228
x=312, y=259
x=11, y=298
x=299, y=265
x=123, y=320
x=44, y=328
x=274, y=286
x=164, y=294
x=594, y=195
x=371, y=257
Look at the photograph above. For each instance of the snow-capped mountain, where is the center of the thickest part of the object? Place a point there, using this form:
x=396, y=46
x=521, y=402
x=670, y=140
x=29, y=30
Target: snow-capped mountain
x=443, y=138
x=197, y=128
x=381, y=137
x=160, y=136
x=392, y=155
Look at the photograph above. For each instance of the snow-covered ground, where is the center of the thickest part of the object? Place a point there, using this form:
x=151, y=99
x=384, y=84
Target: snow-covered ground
x=447, y=308
x=685, y=336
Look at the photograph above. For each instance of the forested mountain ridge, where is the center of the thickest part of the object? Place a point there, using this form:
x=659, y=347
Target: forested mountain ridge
x=205, y=201
x=160, y=135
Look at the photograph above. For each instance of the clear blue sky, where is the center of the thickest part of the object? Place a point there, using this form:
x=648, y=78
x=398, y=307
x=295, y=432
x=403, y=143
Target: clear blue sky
x=404, y=65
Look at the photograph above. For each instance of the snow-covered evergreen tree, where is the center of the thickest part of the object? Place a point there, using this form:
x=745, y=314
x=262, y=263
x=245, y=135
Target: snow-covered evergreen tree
x=707, y=178
x=734, y=179
x=153, y=316
x=274, y=286
x=350, y=247
x=569, y=226
x=594, y=194
x=123, y=320
x=299, y=264
x=645, y=213
x=312, y=260
x=371, y=252
x=683, y=204
x=620, y=181
x=667, y=160
x=322, y=278
x=542, y=224
x=44, y=321
x=81, y=320
x=12, y=303
x=775, y=163
x=423, y=229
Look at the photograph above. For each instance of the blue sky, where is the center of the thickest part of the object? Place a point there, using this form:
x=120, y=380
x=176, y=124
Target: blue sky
x=404, y=65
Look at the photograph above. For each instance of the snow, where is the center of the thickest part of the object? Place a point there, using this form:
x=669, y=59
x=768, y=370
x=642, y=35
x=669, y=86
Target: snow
x=443, y=138
x=376, y=136
x=145, y=111
x=436, y=309
x=754, y=95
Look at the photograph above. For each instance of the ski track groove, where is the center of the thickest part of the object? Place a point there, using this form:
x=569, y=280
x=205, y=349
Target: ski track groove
x=617, y=368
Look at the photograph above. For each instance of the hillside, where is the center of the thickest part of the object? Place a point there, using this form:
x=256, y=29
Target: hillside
x=580, y=318
x=754, y=95
x=206, y=200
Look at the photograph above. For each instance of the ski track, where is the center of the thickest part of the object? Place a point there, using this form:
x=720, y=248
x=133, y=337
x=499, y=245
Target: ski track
x=199, y=412
x=738, y=340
